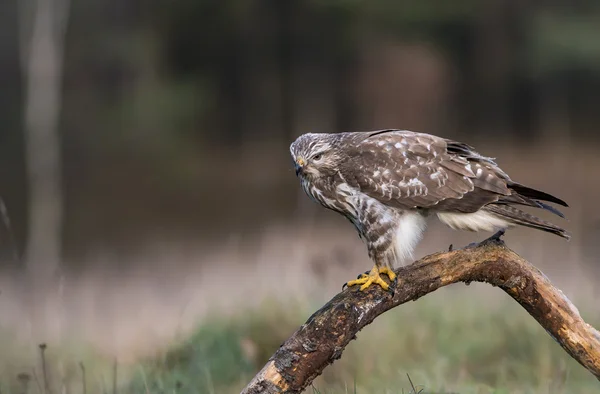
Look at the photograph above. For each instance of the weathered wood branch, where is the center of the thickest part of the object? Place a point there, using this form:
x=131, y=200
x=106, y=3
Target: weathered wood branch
x=322, y=339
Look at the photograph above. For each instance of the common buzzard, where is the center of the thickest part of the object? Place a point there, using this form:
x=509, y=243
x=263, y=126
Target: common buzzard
x=388, y=182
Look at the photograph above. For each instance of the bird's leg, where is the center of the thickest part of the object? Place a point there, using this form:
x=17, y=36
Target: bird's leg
x=390, y=273
x=367, y=279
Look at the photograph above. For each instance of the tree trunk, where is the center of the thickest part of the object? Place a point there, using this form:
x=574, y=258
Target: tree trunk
x=42, y=36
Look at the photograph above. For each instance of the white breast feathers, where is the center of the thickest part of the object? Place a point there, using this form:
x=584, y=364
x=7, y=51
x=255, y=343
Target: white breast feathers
x=408, y=234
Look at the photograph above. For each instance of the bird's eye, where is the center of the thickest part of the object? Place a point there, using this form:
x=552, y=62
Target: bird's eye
x=317, y=157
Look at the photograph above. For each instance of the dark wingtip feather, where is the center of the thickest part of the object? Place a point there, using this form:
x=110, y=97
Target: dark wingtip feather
x=536, y=194
x=550, y=208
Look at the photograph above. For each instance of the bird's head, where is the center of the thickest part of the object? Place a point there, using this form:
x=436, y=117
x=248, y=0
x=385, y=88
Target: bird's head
x=315, y=155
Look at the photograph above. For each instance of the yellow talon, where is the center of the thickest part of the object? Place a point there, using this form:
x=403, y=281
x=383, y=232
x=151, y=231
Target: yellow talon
x=386, y=270
x=367, y=280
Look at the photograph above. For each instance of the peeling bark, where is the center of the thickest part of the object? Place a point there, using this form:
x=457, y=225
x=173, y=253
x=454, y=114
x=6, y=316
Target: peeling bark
x=322, y=339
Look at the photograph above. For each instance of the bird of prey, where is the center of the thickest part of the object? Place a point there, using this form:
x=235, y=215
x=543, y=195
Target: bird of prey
x=387, y=182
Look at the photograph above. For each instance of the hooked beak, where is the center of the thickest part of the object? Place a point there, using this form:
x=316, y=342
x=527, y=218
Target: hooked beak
x=298, y=165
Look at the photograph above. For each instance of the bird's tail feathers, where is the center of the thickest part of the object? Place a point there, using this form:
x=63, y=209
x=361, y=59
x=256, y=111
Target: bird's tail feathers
x=529, y=202
x=549, y=208
x=523, y=195
x=536, y=194
x=519, y=217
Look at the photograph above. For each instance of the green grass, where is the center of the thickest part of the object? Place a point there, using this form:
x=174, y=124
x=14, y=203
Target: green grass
x=21, y=369
x=457, y=340
x=450, y=341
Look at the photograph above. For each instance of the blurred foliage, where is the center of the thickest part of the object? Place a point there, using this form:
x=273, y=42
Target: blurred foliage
x=442, y=349
x=158, y=94
x=177, y=116
x=69, y=367
x=221, y=353
x=565, y=42
x=195, y=61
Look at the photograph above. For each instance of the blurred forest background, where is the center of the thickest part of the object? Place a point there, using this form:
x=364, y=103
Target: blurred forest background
x=144, y=144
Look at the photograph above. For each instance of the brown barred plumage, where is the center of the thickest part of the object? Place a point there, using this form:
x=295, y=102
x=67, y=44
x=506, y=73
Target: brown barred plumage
x=387, y=182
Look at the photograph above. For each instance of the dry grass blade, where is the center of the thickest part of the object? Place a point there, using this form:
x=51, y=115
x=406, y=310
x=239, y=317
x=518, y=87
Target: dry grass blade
x=412, y=386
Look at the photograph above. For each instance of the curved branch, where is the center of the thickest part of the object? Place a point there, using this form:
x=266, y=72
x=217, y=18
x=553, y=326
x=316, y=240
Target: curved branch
x=322, y=339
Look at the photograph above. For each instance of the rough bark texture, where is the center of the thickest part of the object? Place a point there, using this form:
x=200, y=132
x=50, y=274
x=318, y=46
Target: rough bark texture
x=322, y=339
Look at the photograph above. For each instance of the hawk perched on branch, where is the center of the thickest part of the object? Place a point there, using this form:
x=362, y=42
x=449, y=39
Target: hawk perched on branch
x=388, y=182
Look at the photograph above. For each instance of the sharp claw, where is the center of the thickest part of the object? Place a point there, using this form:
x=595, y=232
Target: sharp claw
x=393, y=285
x=373, y=277
x=360, y=276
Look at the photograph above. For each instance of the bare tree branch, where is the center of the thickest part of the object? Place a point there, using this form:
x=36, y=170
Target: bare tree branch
x=322, y=339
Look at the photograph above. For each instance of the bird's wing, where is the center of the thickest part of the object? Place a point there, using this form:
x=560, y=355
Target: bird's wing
x=417, y=170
